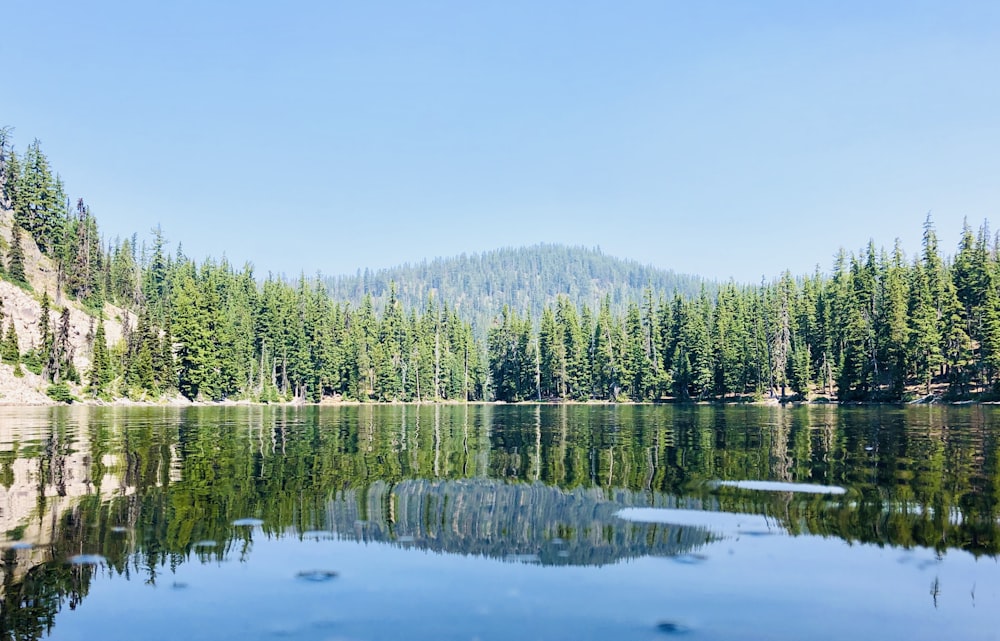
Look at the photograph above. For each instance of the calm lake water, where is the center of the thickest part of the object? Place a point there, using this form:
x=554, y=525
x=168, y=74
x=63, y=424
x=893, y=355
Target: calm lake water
x=506, y=522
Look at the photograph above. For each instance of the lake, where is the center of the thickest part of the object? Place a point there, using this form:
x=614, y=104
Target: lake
x=500, y=522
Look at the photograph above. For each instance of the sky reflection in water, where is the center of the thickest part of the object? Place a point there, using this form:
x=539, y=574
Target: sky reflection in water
x=777, y=587
x=502, y=523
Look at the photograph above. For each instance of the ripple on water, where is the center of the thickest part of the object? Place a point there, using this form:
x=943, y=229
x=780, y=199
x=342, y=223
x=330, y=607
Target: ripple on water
x=207, y=543
x=248, y=522
x=316, y=576
x=317, y=535
x=522, y=558
x=781, y=486
x=87, y=559
x=21, y=545
x=672, y=627
x=689, y=559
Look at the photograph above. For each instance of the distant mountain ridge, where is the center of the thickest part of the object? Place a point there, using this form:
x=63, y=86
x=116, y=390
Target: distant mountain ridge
x=478, y=285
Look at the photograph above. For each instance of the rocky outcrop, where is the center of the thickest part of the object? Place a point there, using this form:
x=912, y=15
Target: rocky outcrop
x=25, y=309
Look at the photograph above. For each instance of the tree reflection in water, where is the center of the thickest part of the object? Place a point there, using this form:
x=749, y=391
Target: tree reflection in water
x=151, y=488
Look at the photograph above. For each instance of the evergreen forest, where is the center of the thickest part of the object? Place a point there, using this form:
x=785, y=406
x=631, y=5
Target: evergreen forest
x=522, y=278
x=881, y=326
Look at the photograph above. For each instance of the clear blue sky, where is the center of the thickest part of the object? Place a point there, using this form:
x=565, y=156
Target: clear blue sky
x=729, y=139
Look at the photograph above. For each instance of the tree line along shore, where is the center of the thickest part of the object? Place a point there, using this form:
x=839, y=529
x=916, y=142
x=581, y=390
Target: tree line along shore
x=880, y=327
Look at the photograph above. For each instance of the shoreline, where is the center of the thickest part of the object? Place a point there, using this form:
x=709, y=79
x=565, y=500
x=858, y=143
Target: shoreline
x=181, y=402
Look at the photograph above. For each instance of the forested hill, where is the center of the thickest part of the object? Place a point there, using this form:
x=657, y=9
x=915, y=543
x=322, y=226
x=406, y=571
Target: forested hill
x=880, y=327
x=526, y=278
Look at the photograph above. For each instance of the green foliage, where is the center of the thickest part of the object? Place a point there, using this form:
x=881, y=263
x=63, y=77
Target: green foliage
x=9, y=351
x=100, y=364
x=32, y=361
x=9, y=170
x=526, y=279
x=541, y=479
x=40, y=202
x=15, y=260
x=512, y=358
x=60, y=393
x=83, y=261
x=876, y=328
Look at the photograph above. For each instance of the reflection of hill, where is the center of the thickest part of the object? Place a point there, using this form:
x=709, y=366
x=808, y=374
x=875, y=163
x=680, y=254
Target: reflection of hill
x=526, y=484
x=515, y=522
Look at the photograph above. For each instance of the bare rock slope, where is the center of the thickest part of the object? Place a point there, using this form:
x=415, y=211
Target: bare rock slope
x=24, y=308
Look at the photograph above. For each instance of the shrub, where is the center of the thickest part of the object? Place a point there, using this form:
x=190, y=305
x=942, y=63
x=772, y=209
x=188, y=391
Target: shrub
x=60, y=393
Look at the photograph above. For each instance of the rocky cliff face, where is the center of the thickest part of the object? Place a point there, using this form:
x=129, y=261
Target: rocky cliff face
x=25, y=309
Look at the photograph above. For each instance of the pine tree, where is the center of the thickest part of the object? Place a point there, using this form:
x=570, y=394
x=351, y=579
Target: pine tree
x=9, y=170
x=698, y=337
x=957, y=351
x=575, y=377
x=48, y=338
x=798, y=373
x=82, y=261
x=727, y=343
x=991, y=336
x=196, y=355
x=100, y=365
x=893, y=330
x=637, y=367
x=781, y=339
x=392, y=337
x=15, y=259
x=512, y=358
x=527, y=350
x=606, y=369
x=924, y=340
x=971, y=276
x=61, y=357
x=551, y=357
x=39, y=206
x=663, y=339
x=164, y=366
x=10, y=350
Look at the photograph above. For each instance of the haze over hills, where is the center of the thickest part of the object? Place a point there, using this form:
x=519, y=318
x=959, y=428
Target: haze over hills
x=526, y=278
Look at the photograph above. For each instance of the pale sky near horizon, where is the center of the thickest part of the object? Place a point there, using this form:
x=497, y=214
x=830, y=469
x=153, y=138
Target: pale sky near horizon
x=727, y=139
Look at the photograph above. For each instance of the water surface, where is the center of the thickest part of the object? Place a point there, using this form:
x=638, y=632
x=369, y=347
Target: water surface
x=507, y=522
